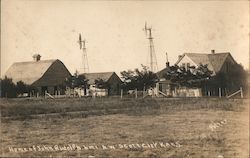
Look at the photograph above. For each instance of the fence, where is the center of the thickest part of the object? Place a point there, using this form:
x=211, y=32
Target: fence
x=153, y=92
x=223, y=92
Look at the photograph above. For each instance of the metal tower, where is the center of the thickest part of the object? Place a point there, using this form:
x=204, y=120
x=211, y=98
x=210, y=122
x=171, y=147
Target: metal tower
x=84, y=63
x=153, y=62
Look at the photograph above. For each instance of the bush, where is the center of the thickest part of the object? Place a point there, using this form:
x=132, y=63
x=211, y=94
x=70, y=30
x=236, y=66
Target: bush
x=9, y=89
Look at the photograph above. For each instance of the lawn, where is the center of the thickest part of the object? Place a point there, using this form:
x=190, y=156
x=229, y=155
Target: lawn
x=111, y=127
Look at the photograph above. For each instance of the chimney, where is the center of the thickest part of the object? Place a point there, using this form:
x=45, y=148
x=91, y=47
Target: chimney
x=167, y=63
x=36, y=57
x=212, y=51
x=179, y=56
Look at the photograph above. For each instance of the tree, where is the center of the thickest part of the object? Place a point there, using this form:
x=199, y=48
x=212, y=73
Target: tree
x=101, y=84
x=190, y=76
x=232, y=80
x=8, y=88
x=21, y=87
x=140, y=79
x=77, y=80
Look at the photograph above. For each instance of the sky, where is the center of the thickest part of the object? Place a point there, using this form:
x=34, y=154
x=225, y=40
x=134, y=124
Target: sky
x=114, y=31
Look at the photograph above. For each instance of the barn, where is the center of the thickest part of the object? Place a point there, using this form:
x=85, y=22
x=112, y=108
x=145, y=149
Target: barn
x=111, y=78
x=44, y=75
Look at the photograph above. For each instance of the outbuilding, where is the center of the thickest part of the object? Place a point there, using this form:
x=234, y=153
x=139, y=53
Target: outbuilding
x=111, y=79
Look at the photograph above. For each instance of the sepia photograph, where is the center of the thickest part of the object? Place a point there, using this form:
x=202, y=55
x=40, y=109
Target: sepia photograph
x=124, y=79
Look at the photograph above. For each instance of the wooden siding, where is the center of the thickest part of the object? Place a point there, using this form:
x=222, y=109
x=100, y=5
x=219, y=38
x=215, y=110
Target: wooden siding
x=54, y=76
x=115, y=85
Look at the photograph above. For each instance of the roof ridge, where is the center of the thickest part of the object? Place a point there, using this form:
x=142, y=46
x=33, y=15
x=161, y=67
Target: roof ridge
x=219, y=53
x=40, y=61
x=197, y=53
x=99, y=72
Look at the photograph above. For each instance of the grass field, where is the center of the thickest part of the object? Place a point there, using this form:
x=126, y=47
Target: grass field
x=111, y=127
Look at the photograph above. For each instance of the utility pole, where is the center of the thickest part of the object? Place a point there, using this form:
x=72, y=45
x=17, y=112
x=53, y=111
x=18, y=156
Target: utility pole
x=84, y=62
x=153, y=62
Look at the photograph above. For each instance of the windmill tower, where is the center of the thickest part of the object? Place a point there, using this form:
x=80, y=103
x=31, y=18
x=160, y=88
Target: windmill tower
x=84, y=62
x=153, y=62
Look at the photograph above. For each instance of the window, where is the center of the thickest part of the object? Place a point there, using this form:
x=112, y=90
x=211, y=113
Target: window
x=186, y=65
x=183, y=65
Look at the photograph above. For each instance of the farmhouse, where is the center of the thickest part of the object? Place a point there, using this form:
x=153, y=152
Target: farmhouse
x=222, y=65
x=111, y=79
x=217, y=62
x=45, y=75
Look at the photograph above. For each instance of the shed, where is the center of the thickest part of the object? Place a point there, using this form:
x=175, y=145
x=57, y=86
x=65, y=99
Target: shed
x=111, y=78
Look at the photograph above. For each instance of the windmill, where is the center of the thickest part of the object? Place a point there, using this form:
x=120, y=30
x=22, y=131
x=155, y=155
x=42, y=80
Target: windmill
x=153, y=62
x=84, y=63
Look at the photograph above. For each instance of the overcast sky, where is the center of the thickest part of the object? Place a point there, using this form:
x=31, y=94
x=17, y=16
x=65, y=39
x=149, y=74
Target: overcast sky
x=113, y=30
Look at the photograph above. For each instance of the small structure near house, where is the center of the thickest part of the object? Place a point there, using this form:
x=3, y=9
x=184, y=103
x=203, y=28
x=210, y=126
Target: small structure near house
x=111, y=79
x=163, y=85
x=44, y=75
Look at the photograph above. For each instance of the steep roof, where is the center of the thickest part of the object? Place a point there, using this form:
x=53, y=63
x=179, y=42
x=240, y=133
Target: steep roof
x=214, y=61
x=105, y=76
x=217, y=60
x=28, y=72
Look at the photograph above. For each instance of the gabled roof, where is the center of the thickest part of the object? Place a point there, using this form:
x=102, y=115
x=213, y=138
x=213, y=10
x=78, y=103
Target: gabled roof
x=214, y=61
x=160, y=74
x=105, y=76
x=217, y=60
x=199, y=59
x=28, y=72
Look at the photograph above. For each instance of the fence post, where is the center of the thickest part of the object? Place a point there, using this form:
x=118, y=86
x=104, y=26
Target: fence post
x=220, y=92
x=241, y=92
x=143, y=94
x=136, y=93
x=157, y=89
x=121, y=93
